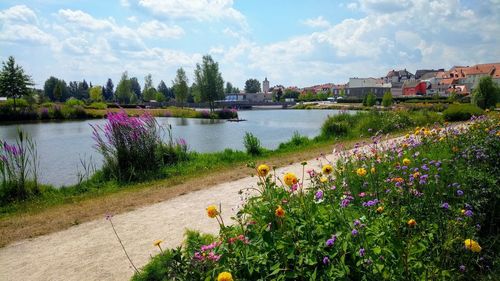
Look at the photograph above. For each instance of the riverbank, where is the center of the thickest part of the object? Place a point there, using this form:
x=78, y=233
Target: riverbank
x=60, y=112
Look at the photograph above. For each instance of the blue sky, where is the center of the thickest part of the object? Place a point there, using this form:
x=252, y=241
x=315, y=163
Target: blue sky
x=293, y=43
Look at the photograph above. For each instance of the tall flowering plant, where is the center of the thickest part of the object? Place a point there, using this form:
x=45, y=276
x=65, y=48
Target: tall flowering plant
x=18, y=169
x=129, y=145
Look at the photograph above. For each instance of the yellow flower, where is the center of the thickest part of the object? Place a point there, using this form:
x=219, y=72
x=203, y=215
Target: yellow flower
x=157, y=243
x=361, y=172
x=263, y=170
x=406, y=162
x=407, y=136
x=472, y=245
x=212, y=211
x=441, y=139
x=372, y=170
x=380, y=209
x=327, y=169
x=225, y=276
x=411, y=223
x=323, y=179
x=280, y=212
x=455, y=149
x=290, y=179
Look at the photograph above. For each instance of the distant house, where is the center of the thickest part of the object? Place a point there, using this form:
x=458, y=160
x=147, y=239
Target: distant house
x=413, y=88
x=426, y=73
x=474, y=73
x=250, y=97
x=395, y=76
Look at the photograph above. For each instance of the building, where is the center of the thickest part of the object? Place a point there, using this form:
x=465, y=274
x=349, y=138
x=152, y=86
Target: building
x=414, y=88
x=394, y=76
x=265, y=85
x=360, y=87
x=419, y=74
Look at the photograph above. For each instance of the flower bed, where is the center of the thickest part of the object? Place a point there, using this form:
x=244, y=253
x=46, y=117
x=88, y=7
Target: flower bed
x=425, y=208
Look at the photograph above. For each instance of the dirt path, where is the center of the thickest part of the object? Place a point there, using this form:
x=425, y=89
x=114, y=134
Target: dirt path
x=90, y=251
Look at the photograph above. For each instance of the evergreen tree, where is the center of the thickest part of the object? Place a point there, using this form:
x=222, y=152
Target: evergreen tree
x=49, y=86
x=13, y=82
x=164, y=90
x=58, y=92
x=136, y=88
x=229, y=88
x=108, y=90
x=486, y=94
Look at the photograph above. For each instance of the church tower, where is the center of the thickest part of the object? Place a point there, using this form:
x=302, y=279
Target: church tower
x=265, y=85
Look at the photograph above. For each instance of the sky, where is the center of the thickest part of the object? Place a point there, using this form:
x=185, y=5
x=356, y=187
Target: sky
x=292, y=43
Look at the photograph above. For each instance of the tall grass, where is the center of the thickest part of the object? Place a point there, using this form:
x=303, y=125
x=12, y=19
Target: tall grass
x=18, y=167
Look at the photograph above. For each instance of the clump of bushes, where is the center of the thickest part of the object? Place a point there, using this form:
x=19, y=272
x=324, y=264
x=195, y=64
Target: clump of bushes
x=252, y=144
x=461, y=112
x=295, y=141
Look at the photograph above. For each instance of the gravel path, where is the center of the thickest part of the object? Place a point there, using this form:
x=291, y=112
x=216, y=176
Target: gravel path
x=90, y=251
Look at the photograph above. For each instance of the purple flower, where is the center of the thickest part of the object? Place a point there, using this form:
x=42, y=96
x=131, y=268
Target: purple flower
x=460, y=192
x=319, y=195
x=354, y=232
x=362, y=252
x=331, y=241
x=357, y=222
x=326, y=260
x=445, y=206
x=462, y=268
x=468, y=213
x=344, y=203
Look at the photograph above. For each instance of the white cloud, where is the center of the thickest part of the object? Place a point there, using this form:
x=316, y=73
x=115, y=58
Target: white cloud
x=19, y=13
x=84, y=20
x=201, y=10
x=158, y=29
x=385, y=6
x=317, y=22
x=25, y=33
x=132, y=19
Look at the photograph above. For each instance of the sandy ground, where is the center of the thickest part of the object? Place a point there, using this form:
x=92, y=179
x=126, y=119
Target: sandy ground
x=90, y=251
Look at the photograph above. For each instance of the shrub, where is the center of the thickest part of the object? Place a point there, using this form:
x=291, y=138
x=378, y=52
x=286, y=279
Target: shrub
x=486, y=94
x=334, y=128
x=387, y=99
x=74, y=102
x=252, y=144
x=370, y=99
x=296, y=140
x=98, y=105
x=18, y=167
x=56, y=112
x=76, y=112
x=227, y=113
x=461, y=112
x=44, y=113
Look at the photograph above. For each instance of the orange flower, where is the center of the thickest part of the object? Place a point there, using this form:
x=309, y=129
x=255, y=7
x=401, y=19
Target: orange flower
x=225, y=276
x=212, y=211
x=280, y=212
x=411, y=223
x=290, y=179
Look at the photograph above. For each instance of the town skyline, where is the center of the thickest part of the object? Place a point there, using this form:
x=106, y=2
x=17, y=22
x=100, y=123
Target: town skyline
x=299, y=44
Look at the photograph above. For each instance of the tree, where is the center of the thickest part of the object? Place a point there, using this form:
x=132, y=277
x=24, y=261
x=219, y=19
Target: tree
x=13, y=82
x=108, y=90
x=83, y=90
x=370, y=99
x=48, y=87
x=149, y=94
x=236, y=90
x=180, y=86
x=58, y=92
x=486, y=94
x=278, y=94
x=252, y=86
x=124, y=92
x=209, y=81
x=164, y=90
x=229, y=88
x=136, y=88
x=96, y=93
x=73, y=89
x=387, y=99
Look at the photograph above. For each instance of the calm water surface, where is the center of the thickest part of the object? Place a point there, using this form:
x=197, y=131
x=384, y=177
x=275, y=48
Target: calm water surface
x=62, y=145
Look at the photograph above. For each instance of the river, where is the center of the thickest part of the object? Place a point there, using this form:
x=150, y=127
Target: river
x=62, y=146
